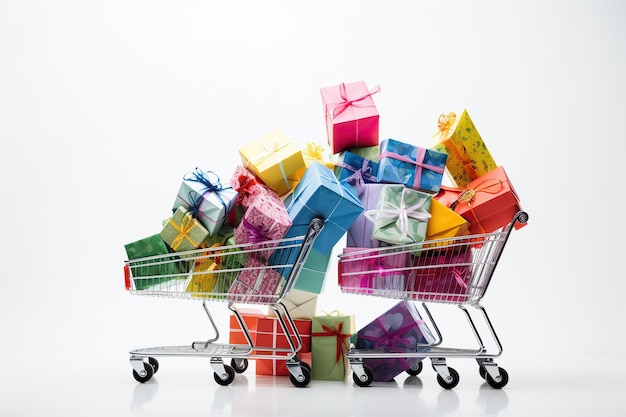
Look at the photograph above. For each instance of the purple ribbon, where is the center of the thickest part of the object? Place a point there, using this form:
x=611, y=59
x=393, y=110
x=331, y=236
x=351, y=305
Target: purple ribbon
x=391, y=339
x=359, y=175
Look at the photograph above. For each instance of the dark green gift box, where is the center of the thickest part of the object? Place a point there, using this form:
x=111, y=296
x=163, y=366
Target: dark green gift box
x=157, y=270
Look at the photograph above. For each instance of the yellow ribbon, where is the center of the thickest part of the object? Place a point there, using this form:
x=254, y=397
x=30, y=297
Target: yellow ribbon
x=186, y=225
x=313, y=151
x=444, y=124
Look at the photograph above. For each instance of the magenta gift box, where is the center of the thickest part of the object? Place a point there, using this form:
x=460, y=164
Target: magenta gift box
x=256, y=283
x=352, y=119
x=366, y=271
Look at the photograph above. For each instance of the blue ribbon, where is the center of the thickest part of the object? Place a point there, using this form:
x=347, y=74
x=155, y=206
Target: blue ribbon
x=209, y=187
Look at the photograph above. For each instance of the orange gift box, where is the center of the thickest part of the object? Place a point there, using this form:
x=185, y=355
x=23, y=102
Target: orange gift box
x=251, y=318
x=488, y=203
x=270, y=334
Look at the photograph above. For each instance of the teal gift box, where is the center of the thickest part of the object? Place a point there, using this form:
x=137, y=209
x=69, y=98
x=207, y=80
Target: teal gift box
x=313, y=273
x=354, y=169
x=401, y=215
x=202, y=193
x=320, y=194
x=157, y=270
x=416, y=167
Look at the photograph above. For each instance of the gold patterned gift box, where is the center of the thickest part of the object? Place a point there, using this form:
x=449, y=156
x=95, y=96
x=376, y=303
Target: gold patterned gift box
x=468, y=156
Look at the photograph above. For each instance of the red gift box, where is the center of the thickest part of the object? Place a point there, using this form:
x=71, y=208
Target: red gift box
x=488, y=203
x=251, y=318
x=270, y=334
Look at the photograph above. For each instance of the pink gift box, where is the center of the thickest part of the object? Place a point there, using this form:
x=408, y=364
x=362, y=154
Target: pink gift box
x=352, y=119
x=265, y=220
x=441, y=275
x=256, y=283
x=365, y=271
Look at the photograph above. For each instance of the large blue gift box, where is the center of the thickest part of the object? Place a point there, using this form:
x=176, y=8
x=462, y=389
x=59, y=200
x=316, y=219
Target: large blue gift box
x=320, y=194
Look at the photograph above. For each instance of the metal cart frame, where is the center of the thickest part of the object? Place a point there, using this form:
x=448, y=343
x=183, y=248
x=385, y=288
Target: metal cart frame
x=290, y=255
x=486, y=250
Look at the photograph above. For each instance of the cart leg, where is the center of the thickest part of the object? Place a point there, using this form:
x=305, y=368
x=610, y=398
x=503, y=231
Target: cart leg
x=357, y=368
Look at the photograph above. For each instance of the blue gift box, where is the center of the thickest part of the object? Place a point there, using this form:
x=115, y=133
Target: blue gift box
x=416, y=167
x=320, y=194
x=355, y=170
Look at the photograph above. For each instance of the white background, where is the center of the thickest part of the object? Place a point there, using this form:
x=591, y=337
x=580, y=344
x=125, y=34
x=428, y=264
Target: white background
x=104, y=106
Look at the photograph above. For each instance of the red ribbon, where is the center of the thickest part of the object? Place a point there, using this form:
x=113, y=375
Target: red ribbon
x=337, y=334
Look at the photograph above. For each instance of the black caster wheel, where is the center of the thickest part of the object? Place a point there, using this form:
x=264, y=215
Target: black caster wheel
x=504, y=379
x=154, y=363
x=366, y=380
x=241, y=368
x=415, y=369
x=482, y=371
x=306, y=376
x=145, y=375
x=227, y=378
x=452, y=382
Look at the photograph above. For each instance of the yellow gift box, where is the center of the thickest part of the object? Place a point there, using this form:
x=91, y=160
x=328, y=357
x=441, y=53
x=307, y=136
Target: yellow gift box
x=444, y=222
x=203, y=279
x=468, y=157
x=275, y=160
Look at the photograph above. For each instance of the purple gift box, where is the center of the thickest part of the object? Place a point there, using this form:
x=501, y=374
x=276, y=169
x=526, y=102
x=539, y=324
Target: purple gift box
x=359, y=234
x=400, y=329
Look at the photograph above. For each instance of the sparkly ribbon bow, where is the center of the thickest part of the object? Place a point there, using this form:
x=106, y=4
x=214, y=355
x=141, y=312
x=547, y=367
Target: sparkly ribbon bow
x=387, y=212
x=340, y=107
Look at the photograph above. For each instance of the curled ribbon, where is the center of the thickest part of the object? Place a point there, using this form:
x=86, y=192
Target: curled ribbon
x=254, y=234
x=313, y=151
x=444, y=124
x=209, y=187
x=490, y=185
x=338, y=108
x=387, y=212
x=339, y=337
x=359, y=176
x=244, y=183
x=186, y=225
x=418, y=162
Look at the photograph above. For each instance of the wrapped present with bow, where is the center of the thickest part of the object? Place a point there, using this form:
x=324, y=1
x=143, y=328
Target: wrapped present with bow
x=265, y=221
x=359, y=234
x=401, y=216
x=313, y=152
x=156, y=271
x=183, y=232
x=399, y=329
x=202, y=193
x=330, y=341
x=270, y=334
x=364, y=271
x=257, y=282
x=354, y=169
x=351, y=116
x=441, y=275
x=468, y=156
x=275, y=160
x=488, y=203
x=320, y=195
x=413, y=166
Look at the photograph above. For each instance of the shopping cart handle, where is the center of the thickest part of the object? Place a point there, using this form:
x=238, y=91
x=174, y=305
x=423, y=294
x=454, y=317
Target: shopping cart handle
x=521, y=217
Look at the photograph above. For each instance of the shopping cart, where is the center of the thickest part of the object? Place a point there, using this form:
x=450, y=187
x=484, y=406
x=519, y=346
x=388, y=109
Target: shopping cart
x=232, y=274
x=450, y=271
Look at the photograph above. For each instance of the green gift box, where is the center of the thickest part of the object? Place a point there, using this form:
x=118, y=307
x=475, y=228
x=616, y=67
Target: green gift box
x=230, y=264
x=401, y=215
x=368, y=152
x=157, y=270
x=330, y=341
x=183, y=232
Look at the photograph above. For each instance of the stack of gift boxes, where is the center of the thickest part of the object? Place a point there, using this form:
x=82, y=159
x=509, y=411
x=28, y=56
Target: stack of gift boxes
x=374, y=192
